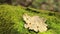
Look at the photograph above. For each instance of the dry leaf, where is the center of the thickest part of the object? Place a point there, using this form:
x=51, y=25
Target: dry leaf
x=35, y=23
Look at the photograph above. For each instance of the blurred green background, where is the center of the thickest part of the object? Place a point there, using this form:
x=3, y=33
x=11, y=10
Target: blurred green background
x=11, y=12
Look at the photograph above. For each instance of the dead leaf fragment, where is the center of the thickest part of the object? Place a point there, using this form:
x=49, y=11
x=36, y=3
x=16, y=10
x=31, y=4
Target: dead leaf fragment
x=35, y=23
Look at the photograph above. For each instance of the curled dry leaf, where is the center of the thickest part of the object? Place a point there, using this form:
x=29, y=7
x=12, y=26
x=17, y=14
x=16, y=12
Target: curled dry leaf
x=35, y=23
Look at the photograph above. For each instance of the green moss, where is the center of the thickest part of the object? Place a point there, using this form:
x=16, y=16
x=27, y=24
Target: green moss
x=11, y=21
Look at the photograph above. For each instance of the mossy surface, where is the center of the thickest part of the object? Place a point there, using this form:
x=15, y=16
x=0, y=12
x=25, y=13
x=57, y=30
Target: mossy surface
x=11, y=21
